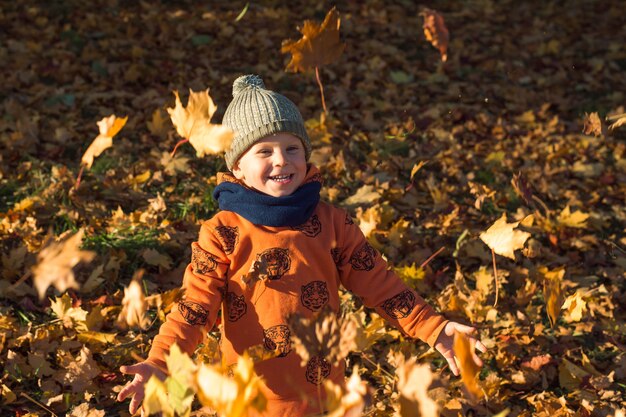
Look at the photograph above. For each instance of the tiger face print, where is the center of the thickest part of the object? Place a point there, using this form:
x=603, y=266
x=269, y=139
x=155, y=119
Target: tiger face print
x=337, y=258
x=311, y=228
x=317, y=370
x=236, y=306
x=400, y=305
x=314, y=295
x=278, y=338
x=229, y=237
x=193, y=313
x=277, y=262
x=364, y=258
x=202, y=261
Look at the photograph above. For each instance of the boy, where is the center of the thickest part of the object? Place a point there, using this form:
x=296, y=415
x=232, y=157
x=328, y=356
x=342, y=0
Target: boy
x=271, y=219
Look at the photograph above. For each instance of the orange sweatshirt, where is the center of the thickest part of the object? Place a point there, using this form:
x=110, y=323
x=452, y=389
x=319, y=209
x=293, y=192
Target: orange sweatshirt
x=306, y=265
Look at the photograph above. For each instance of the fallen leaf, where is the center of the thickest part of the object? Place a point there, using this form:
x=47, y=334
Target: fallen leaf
x=553, y=291
x=577, y=219
x=320, y=44
x=593, y=125
x=134, y=305
x=575, y=306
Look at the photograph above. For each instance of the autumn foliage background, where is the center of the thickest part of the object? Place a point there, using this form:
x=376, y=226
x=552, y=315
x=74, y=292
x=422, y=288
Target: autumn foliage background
x=427, y=156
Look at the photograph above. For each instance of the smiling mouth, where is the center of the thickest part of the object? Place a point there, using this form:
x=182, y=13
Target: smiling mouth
x=281, y=178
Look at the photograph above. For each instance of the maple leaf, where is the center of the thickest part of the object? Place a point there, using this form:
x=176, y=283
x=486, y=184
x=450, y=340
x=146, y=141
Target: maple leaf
x=577, y=219
x=134, y=305
x=620, y=120
x=436, y=31
x=157, y=126
x=553, y=291
x=56, y=261
x=156, y=399
x=78, y=373
x=62, y=308
x=592, y=125
x=575, y=306
x=320, y=44
x=348, y=402
x=194, y=124
x=180, y=382
x=469, y=370
x=109, y=127
x=413, y=383
x=502, y=239
x=231, y=396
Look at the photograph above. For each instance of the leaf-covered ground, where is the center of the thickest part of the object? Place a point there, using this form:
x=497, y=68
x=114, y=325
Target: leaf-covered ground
x=497, y=130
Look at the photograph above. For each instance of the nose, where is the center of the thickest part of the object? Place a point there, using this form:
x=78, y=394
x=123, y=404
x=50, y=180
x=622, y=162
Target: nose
x=280, y=157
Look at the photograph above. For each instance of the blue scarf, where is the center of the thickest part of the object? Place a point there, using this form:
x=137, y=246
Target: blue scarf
x=265, y=210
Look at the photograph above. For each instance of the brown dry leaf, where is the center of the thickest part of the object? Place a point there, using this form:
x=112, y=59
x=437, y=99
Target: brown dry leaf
x=157, y=125
x=503, y=239
x=194, y=123
x=553, y=291
x=593, y=125
x=413, y=383
x=79, y=373
x=436, y=31
x=469, y=370
x=320, y=44
x=577, y=219
x=575, y=306
x=109, y=127
x=56, y=261
x=134, y=304
x=621, y=121
x=85, y=410
x=70, y=316
x=156, y=258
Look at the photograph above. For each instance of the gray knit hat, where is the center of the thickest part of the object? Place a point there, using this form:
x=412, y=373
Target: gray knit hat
x=256, y=112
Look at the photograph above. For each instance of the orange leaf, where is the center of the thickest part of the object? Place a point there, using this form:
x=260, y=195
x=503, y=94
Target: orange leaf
x=109, y=127
x=463, y=350
x=553, y=291
x=593, y=125
x=319, y=45
x=55, y=263
x=436, y=32
x=194, y=123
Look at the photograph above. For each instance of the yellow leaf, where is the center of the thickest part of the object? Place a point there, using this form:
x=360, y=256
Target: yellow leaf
x=156, y=399
x=484, y=281
x=364, y=195
x=348, y=402
x=368, y=219
x=194, y=123
x=155, y=258
x=413, y=383
x=577, y=219
x=553, y=291
x=157, y=126
x=575, y=306
x=463, y=350
x=7, y=395
x=97, y=337
x=56, y=261
x=62, y=308
x=134, y=304
x=410, y=273
x=319, y=45
x=503, y=239
x=109, y=127
x=417, y=167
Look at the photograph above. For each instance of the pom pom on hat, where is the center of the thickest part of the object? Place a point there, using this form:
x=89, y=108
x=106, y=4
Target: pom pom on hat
x=246, y=81
x=256, y=112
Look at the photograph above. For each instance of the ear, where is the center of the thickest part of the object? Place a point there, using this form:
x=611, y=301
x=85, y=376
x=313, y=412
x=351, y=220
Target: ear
x=237, y=172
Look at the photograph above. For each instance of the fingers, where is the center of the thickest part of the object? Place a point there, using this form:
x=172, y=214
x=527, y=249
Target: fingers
x=135, y=402
x=453, y=365
x=480, y=346
x=132, y=369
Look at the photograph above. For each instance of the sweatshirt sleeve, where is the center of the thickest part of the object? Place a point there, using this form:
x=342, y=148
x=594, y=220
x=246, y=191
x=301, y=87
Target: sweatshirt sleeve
x=204, y=282
x=364, y=272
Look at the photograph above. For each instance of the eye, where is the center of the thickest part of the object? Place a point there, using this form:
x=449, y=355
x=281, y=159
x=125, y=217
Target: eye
x=293, y=149
x=264, y=152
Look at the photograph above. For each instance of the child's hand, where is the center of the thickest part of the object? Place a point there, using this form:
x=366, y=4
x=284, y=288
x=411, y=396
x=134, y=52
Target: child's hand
x=142, y=371
x=445, y=344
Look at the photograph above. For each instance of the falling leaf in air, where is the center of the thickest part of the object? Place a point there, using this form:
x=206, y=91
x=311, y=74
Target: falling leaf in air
x=620, y=120
x=134, y=305
x=194, y=124
x=109, y=127
x=55, y=263
x=180, y=381
x=231, y=396
x=503, y=239
x=320, y=44
x=592, y=125
x=413, y=383
x=346, y=402
x=553, y=291
x=155, y=398
x=157, y=125
x=436, y=31
x=463, y=350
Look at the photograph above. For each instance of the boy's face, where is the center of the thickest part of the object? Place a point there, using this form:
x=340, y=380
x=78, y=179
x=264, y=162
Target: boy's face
x=275, y=165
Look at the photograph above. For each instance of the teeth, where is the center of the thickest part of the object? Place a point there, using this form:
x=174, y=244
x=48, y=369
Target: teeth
x=280, y=177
